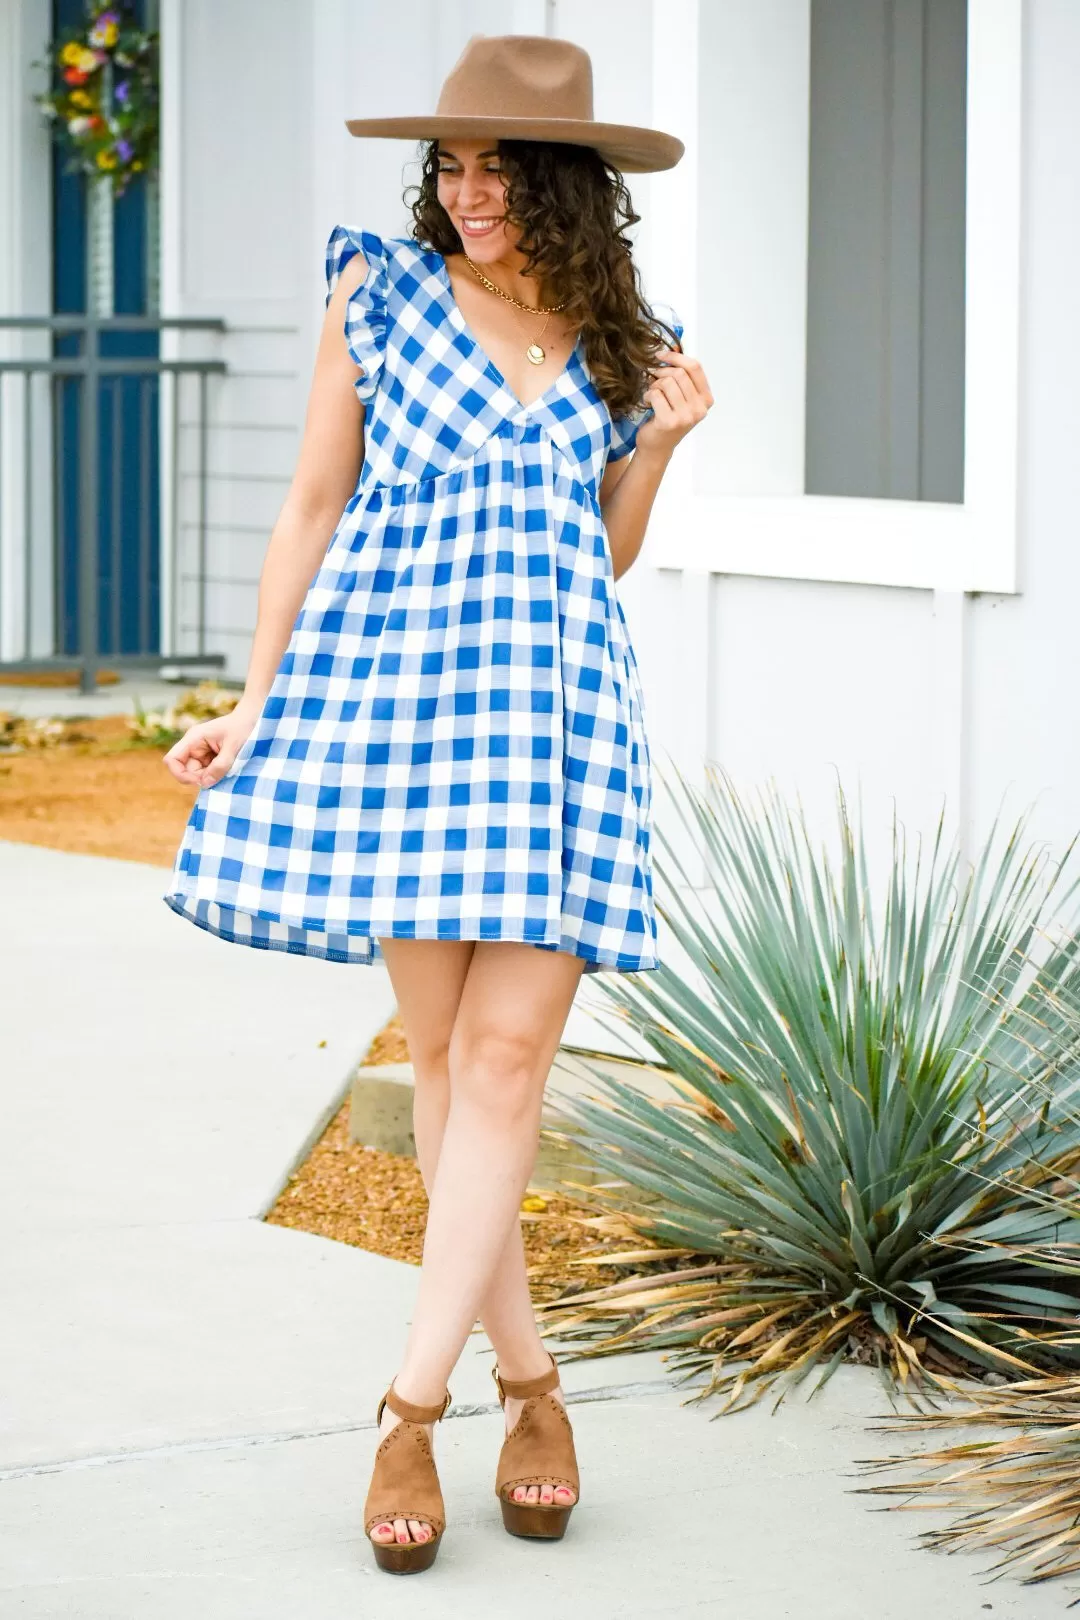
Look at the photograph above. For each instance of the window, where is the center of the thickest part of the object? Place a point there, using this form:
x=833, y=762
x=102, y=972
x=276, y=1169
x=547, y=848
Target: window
x=885, y=249
x=842, y=240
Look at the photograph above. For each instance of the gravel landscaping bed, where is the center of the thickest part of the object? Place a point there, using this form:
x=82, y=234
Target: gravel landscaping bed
x=356, y=1194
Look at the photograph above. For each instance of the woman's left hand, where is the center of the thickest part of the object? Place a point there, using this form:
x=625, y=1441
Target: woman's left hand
x=680, y=398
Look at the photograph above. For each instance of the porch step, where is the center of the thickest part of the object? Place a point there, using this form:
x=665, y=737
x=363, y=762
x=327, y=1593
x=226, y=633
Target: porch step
x=381, y=1100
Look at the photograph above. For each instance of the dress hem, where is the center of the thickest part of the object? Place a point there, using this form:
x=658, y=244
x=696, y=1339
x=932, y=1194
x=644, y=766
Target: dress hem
x=182, y=904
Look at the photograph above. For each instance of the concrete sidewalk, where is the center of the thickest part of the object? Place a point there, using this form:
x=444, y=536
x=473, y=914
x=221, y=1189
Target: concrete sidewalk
x=118, y=697
x=189, y=1394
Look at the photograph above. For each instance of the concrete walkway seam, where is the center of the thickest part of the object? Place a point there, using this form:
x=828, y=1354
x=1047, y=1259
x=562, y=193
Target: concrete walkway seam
x=242, y=1442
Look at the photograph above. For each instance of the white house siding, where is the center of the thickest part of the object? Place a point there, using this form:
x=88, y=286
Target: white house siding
x=911, y=694
x=236, y=159
x=1022, y=661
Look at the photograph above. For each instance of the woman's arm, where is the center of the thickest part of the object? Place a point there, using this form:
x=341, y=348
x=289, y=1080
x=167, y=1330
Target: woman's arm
x=680, y=399
x=327, y=467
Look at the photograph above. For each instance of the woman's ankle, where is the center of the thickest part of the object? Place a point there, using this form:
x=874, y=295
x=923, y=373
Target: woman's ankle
x=418, y=1390
x=524, y=1363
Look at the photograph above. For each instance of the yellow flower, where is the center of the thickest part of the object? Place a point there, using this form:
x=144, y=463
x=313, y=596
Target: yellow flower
x=79, y=98
x=71, y=53
x=137, y=163
x=106, y=160
x=86, y=61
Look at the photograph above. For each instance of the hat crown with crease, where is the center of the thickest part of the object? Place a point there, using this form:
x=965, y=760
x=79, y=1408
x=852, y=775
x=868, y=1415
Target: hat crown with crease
x=527, y=87
x=521, y=76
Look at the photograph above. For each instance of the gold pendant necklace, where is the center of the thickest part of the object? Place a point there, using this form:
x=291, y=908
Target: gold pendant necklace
x=535, y=352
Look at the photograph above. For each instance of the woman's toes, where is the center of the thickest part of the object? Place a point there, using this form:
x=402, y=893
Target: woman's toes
x=533, y=1494
x=546, y=1494
x=564, y=1496
x=401, y=1530
x=519, y=1493
x=382, y=1532
x=419, y=1529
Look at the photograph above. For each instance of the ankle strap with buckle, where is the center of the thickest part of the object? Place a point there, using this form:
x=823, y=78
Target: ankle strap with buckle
x=408, y=1412
x=523, y=1389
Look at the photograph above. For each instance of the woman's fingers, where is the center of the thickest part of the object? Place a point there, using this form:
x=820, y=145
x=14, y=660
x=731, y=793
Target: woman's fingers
x=685, y=366
x=677, y=385
x=181, y=770
x=185, y=770
x=222, y=760
x=663, y=408
x=189, y=759
x=670, y=394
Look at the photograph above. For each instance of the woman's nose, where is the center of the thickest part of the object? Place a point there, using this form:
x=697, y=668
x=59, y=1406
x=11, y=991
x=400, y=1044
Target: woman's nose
x=473, y=201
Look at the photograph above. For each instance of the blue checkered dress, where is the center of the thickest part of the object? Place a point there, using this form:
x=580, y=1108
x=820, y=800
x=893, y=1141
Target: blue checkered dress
x=452, y=747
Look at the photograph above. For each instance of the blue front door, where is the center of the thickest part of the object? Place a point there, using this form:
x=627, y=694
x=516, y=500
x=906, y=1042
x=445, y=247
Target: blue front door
x=127, y=528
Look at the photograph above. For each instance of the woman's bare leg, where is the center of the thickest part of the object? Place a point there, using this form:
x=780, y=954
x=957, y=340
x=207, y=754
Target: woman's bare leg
x=483, y=1023
x=428, y=980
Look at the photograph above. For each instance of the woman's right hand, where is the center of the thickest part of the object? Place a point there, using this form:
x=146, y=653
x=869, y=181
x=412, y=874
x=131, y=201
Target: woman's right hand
x=205, y=751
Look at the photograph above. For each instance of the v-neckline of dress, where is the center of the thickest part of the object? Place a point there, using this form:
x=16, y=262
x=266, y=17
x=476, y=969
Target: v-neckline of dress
x=482, y=354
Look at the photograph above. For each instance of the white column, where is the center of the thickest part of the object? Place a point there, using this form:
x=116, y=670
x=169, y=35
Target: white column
x=24, y=290
x=170, y=215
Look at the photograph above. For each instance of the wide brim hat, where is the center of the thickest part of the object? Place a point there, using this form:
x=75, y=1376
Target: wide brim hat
x=527, y=87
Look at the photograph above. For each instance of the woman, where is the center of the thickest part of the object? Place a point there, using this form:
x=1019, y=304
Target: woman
x=438, y=759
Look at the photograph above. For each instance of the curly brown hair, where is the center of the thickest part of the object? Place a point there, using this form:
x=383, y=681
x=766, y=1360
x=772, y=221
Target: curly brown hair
x=572, y=210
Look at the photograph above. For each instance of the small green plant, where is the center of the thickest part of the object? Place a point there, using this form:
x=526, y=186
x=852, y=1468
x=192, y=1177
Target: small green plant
x=854, y=1162
x=160, y=728
x=19, y=734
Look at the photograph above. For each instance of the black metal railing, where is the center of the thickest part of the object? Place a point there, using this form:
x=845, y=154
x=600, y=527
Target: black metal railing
x=91, y=562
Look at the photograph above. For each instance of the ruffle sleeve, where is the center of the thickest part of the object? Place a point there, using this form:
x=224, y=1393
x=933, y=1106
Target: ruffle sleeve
x=624, y=429
x=365, y=314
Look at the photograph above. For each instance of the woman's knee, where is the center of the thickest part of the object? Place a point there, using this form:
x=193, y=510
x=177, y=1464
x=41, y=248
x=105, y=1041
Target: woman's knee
x=496, y=1068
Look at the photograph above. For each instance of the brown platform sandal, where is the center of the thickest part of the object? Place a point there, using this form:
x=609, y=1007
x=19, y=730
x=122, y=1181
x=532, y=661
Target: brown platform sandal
x=405, y=1485
x=539, y=1450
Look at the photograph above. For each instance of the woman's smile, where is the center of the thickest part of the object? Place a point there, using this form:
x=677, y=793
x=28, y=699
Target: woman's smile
x=479, y=225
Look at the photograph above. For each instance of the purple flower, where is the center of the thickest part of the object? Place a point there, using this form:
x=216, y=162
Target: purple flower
x=124, y=149
x=122, y=90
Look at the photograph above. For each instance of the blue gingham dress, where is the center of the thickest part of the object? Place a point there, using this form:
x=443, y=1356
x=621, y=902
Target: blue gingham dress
x=453, y=743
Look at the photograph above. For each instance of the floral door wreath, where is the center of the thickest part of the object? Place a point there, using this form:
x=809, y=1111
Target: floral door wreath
x=103, y=98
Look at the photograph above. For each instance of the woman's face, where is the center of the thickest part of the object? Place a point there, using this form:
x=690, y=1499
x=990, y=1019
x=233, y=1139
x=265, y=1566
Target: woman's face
x=473, y=193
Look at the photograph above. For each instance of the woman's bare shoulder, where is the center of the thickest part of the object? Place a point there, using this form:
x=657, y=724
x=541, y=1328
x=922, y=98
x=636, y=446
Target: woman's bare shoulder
x=350, y=277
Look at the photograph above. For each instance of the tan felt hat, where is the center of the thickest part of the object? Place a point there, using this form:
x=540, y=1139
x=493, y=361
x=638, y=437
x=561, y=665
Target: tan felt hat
x=528, y=87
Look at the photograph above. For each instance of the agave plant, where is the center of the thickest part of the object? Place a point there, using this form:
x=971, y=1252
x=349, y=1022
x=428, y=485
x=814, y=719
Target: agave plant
x=1017, y=1493
x=854, y=1161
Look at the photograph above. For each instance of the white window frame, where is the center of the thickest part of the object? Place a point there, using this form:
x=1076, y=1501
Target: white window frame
x=969, y=546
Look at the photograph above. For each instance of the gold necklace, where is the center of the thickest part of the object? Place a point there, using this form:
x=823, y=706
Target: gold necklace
x=534, y=352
